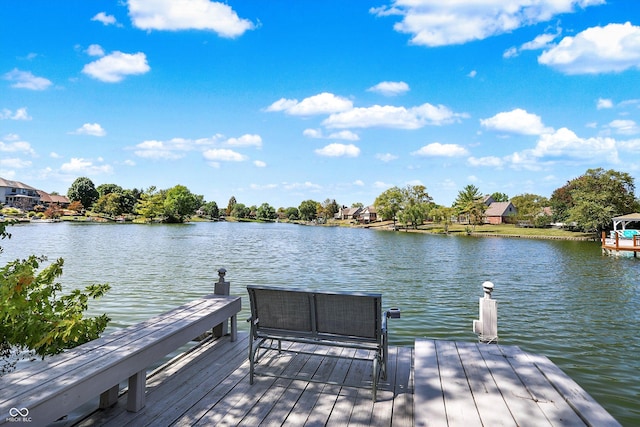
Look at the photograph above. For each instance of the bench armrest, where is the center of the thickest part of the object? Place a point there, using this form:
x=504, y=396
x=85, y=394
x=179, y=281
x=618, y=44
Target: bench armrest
x=392, y=313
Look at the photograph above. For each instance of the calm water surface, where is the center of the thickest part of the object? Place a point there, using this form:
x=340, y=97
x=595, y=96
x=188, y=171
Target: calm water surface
x=561, y=299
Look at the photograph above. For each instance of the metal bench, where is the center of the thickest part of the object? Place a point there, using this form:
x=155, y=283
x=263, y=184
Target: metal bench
x=45, y=391
x=342, y=319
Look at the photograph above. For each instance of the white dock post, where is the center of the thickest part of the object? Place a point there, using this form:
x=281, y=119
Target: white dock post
x=221, y=288
x=487, y=327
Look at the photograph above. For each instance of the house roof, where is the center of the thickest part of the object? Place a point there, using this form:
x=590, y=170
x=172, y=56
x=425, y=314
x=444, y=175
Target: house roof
x=53, y=198
x=497, y=208
x=14, y=184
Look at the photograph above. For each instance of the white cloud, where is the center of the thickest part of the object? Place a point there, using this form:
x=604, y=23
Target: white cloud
x=93, y=129
x=323, y=103
x=55, y=155
x=15, y=146
x=301, y=186
x=263, y=186
x=223, y=155
x=472, y=73
x=282, y=104
x=604, y=103
x=116, y=66
x=393, y=117
x=625, y=127
x=386, y=157
x=26, y=80
x=345, y=135
x=15, y=163
x=339, y=150
x=153, y=149
x=437, y=149
x=489, y=161
x=542, y=41
x=84, y=167
x=246, y=140
x=104, y=18
x=381, y=185
x=20, y=114
x=358, y=182
x=565, y=143
x=312, y=133
x=516, y=121
x=259, y=164
x=176, y=148
x=95, y=50
x=188, y=15
x=390, y=88
x=612, y=48
x=439, y=23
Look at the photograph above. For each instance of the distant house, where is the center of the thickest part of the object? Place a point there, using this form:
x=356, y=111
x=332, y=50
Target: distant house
x=348, y=213
x=53, y=199
x=500, y=213
x=368, y=215
x=19, y=195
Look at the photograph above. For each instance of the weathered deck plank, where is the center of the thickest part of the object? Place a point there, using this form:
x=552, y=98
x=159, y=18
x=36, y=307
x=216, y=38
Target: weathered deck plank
x=432, y=384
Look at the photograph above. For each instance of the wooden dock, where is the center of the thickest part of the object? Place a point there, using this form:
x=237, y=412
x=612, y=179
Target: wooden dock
x=435, y=383
x=617, y=246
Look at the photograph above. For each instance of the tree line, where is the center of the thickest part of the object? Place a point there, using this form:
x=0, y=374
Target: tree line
x=586, y=203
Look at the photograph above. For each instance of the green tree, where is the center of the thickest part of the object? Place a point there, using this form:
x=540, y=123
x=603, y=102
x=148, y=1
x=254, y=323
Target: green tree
x=230, y=205
x=500, y=197
x=36, y=315
x=104, y=189
x=211, y=210
x=529, y=205
x=308, y=210
x=593, y=199
x=443, y=215
x=416, y=204
x=151, y=204
x=110, y=204
x=470, y=204
x=240, y=210
x=83, y=191
x=266, y=212
x=180, y=204
x=329, y=208
x=128, y=200
x=389, y=203
x=292, y=213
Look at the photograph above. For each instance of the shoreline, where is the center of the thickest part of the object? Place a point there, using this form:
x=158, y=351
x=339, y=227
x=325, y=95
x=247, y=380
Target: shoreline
x=382, y=226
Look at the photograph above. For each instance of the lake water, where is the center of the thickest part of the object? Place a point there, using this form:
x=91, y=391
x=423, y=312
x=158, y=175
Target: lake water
x=564, y=300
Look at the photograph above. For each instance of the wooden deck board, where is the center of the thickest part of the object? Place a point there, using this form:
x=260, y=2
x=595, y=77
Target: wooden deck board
x=432, y=384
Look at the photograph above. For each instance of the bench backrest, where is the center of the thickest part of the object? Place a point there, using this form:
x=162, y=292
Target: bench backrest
x=317, y=314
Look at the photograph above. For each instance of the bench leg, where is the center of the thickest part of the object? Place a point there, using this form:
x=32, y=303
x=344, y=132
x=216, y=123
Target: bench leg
x=136, y=393
x=109, y=397
x=234, y=328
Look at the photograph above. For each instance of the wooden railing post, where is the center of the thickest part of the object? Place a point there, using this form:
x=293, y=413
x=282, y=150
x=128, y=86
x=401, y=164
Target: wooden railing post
x=487, y=326
x=221, y=288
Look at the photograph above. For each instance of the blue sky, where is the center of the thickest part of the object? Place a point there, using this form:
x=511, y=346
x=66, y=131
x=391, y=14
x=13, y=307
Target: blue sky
x=284, y=101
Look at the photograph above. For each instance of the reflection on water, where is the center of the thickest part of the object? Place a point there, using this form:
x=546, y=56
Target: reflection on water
x=561, y=299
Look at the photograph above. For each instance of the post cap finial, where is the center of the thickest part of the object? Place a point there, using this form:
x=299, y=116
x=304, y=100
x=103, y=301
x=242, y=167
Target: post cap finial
x=488, y=288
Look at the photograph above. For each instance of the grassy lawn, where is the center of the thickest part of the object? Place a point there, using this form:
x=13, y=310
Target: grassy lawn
x=508, y=230
x=485, y=230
